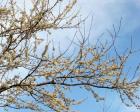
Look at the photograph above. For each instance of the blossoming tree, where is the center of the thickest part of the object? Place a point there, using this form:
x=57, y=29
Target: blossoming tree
x=45, y=76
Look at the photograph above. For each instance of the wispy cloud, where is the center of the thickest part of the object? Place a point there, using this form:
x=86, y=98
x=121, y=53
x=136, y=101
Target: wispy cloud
x=108, y=12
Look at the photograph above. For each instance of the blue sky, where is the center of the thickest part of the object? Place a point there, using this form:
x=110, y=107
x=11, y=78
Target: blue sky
x=106, y=13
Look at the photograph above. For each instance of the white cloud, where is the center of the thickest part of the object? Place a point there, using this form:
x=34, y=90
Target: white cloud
x=108, y=12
